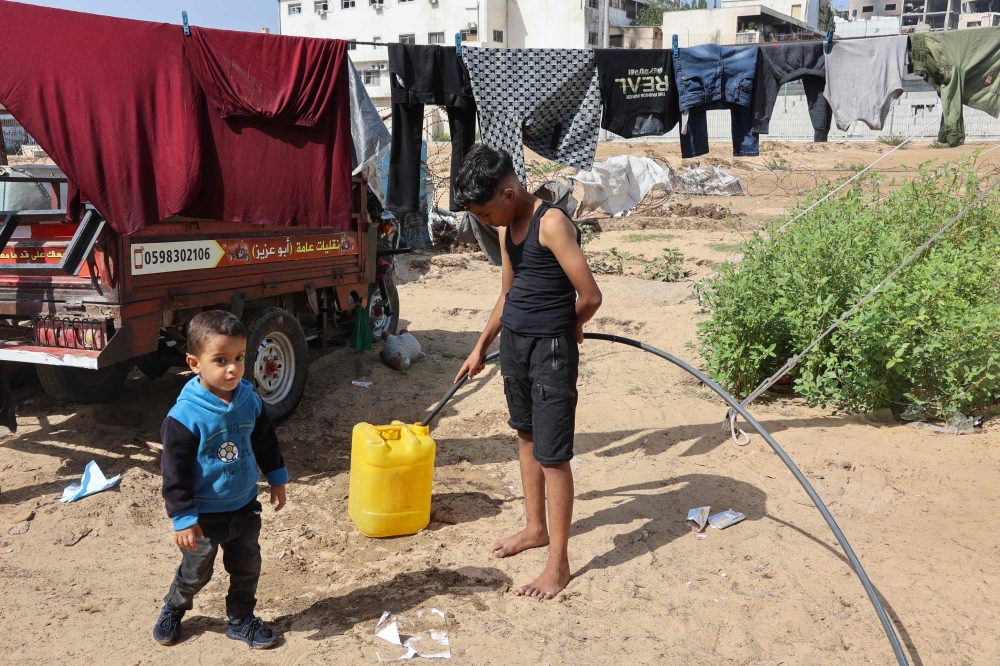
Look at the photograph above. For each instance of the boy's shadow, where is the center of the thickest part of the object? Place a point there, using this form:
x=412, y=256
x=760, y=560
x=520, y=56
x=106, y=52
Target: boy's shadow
x=663, y=512
x=335, y=615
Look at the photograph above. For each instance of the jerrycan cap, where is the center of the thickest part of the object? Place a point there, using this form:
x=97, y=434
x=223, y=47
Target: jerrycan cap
x=420, y=430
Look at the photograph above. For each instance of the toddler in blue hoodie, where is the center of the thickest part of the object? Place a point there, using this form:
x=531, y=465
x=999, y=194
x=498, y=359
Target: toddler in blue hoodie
x=214, y=439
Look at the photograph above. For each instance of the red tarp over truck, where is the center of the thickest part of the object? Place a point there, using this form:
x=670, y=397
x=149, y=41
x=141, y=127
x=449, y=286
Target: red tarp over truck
x=148, y=123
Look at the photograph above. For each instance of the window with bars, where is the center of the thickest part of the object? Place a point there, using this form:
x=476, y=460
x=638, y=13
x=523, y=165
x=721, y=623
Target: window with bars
x=435, y=38
x=321, y=6
x=295, y=9
x=593, y=4
x=352, y=45
x=347, y=4
x=592, y=39
x=407, y=39
x=470, y=35
x=372, y=77
x=498, y=36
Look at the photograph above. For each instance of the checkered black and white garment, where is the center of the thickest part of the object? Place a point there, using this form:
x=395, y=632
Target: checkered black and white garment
x=546, y=99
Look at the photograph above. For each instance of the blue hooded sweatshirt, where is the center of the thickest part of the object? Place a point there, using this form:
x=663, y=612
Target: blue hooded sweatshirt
x=211, y=452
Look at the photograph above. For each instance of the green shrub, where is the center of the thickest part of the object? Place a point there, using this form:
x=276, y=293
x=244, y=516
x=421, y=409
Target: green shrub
x=892, y=140
x=931, y=336
x=668, y=267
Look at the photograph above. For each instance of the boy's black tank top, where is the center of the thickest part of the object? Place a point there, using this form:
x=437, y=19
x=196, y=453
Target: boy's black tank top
x=542, y=300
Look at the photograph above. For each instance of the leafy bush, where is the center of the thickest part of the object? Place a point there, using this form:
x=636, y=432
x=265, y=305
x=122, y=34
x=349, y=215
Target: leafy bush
x=929, y=337
x=668, y=267
x=776, y=164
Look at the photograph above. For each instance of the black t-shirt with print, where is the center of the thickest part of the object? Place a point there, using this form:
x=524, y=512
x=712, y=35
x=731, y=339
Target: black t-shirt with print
x=639, y=91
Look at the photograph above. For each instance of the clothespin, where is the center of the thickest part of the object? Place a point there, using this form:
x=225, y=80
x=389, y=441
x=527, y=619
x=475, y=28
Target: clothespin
x=187, y=28
x=677, y=51
x=828, y=42
x=458, y=43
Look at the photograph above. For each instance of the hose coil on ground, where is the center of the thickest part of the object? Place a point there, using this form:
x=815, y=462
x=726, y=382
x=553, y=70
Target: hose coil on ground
x=735, y=405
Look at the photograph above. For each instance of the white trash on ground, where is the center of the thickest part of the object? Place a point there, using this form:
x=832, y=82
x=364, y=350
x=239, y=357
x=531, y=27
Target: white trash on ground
x=93, y=481
x=423, y=634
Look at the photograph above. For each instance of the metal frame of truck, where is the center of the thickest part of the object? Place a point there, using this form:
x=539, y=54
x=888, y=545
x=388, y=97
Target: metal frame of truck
x=84, y=304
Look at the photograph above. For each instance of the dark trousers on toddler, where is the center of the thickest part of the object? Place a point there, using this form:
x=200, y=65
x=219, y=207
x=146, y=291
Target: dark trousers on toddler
x=238, y=534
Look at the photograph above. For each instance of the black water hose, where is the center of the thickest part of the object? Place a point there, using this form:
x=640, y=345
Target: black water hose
x=883, y=617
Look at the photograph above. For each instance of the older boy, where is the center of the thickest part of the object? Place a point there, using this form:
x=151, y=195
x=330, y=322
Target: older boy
x=214, y=439
x=548, y=294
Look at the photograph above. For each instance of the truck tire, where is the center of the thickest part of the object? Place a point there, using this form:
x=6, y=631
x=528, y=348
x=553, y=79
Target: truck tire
x=87, y=387
x=377, y=317
x=277, y=362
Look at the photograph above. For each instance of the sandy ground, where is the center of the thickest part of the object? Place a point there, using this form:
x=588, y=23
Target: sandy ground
x=84, y=582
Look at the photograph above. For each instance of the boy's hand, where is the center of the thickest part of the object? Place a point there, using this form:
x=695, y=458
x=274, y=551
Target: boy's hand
x=473, y=365
x=278, y=497
x=579, y=334
x=185, y=539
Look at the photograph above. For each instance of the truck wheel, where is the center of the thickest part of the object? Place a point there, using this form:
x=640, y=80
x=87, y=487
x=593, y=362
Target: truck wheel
x=378, y=317
x=277, y=360
x=87, y=387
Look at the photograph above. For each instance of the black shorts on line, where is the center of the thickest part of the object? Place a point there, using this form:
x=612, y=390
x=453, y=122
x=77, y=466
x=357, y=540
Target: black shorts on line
x=539, y=380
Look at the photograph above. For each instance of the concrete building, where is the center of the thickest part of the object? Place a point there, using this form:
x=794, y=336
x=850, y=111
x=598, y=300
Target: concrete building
x=979, y=14
x=740, y=23
x=487, y=23
x=636, y=37
x=862, y=10
x=921, y=15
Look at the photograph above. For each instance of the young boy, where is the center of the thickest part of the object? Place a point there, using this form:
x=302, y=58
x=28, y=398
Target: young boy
x=214, y=439
x=548, y=294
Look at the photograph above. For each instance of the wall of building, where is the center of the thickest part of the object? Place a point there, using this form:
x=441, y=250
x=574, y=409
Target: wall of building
x=873, y=27
x=702, y=26
x=856, y=11
x=806, y=11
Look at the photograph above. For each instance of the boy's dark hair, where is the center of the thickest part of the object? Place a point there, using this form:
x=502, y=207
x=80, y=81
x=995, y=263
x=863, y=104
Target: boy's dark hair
x=480, y=176
x=209, y=323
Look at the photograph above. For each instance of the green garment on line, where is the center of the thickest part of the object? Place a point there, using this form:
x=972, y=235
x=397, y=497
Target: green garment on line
x=361, y=338
x=964, y=66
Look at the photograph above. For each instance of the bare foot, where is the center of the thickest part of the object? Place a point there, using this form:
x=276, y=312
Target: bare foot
x=523, y=540
x=554, y=578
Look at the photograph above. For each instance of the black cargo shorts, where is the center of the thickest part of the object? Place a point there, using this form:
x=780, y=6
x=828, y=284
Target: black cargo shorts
x=539, y=380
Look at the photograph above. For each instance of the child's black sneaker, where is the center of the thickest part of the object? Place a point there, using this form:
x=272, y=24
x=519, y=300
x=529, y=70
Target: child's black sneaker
x=253, y=632
x=168, y=626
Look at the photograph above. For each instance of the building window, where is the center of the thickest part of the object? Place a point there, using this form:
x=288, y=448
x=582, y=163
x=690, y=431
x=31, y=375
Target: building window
x=377, y=40
x=435, y=38
x=352, y=45
x=407, y=39
x=890, y=8
x=854, y=12
x=868, y=8
x=402, y=1
x=347, y=4
x=470, y=35
x=498, y=36
x=294, y=9
x=592, y=39
x=616, y=41
x=321, y=6
x=593, y=4
x=797, y=12
x=974, y=24
x=372, y=77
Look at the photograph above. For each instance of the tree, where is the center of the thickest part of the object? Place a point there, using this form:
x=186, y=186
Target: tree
x=825, y=15
x=652, y=12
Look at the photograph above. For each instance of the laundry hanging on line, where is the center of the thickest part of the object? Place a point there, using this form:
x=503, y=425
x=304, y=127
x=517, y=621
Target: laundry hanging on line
x=421, y=75
x=547, y=100
x=867, y=98
x=779, y=65
x=965, y=69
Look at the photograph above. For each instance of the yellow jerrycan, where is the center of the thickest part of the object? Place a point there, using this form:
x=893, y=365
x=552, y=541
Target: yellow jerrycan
x=392, y=471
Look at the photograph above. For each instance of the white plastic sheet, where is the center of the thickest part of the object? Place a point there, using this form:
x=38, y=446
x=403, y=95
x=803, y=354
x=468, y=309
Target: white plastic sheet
x=624, y=181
